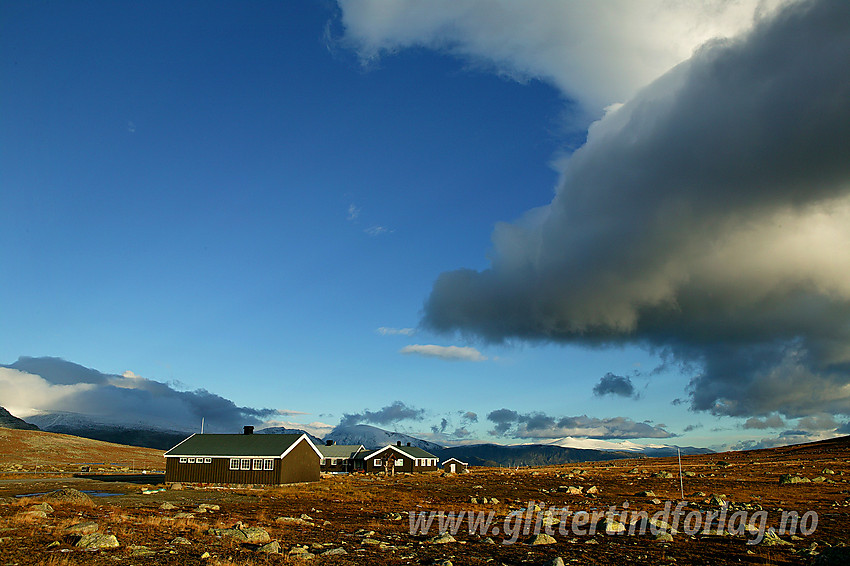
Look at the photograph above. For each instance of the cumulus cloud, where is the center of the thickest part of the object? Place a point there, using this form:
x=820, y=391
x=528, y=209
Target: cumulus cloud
x=707, y=218
x=34, y=386
x=451, y=353
x=611, y=384
x=596, y=52
x=393, y=413
x=511, y=423
x=773, y=421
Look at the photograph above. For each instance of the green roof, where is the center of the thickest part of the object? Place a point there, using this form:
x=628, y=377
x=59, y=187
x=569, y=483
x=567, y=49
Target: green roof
x=339, y=450
x=234, y=445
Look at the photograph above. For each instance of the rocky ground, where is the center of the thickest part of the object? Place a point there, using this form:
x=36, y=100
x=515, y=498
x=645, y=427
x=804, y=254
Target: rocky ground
x=365, y=519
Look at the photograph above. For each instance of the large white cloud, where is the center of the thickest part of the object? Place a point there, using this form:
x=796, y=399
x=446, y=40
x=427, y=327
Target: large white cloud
x=597, y=53
x=707, y=218
x=36, y=386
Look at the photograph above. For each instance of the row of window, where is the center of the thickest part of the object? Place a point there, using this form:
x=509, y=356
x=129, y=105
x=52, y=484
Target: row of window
x=252, y=463
x=332, y=461
x=195, y=460
x=400, y=462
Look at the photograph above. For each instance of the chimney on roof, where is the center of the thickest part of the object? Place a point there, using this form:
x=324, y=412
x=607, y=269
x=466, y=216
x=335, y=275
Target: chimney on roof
x=398, y=443
x=408, y=444
x=248, y=430
x=329, y=442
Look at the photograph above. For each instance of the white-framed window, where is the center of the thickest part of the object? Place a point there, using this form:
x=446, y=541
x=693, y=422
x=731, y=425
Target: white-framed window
x=268, y=464
x=258, y=464
x=399, y=463
x=191, y=460
x=245, y=464
x=207, y=460
x=234, y=463
x=182, y=460
x=377, y=461
x=322, y=462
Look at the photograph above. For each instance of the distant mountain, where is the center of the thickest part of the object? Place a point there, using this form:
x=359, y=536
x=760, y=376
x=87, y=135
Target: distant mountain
x=374, y=437
x=130, y=434
x=283, y=430
x=651, y=450
x=528, y=455
x=8, y=420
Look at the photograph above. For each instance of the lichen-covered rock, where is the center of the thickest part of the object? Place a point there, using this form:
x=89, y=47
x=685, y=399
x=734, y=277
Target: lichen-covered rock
x=542, y=538
x=83, y=528
x=442, y=538
x=270, y=548
x=241, y=533
x=96, y=541
x=68, y=495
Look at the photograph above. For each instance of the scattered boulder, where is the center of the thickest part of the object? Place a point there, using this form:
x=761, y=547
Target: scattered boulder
x=209, y=507
x=717, y=500
x=592, y=490
x=442, y=538
x=180, y=540
x=244, y=534
x=787, y=479
x=300, y=552
x=42, y=507
x=84, y=528
x=557, y=561
x=96, y=541
x=772, y=539
x=167, y=506
x=32, y=514
x=394, y=516
x=294, y=521
x=541, y=538
x=270, y=548
x=140, y=550
x=611, y=526
x=184, y=516
x=176, y=486
x=334, y=552
x=68, y=495
x=494, y=501
x=663, y=537
x=647, y=493
x=662, y=475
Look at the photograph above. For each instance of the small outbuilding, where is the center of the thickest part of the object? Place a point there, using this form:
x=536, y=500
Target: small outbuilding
x=339, y=458
x=265, y=459
x=455, y=466
x=398, y=458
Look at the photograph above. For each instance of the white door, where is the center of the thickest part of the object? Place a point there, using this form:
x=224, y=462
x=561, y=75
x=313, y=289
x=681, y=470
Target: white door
x=452, y=468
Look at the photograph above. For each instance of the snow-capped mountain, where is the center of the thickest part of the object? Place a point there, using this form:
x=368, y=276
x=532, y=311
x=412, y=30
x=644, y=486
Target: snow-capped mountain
x=374, y=437
x=109, y=430
x=651, y=450
x=284, y=430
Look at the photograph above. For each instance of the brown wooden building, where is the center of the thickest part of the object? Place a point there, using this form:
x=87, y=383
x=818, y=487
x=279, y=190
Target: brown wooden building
x=340, y=458
x=454, y=466
x=397, y=458
x=267, y=459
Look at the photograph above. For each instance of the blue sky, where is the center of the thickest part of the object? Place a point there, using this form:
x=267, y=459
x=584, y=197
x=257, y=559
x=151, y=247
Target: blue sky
x=239, y=197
